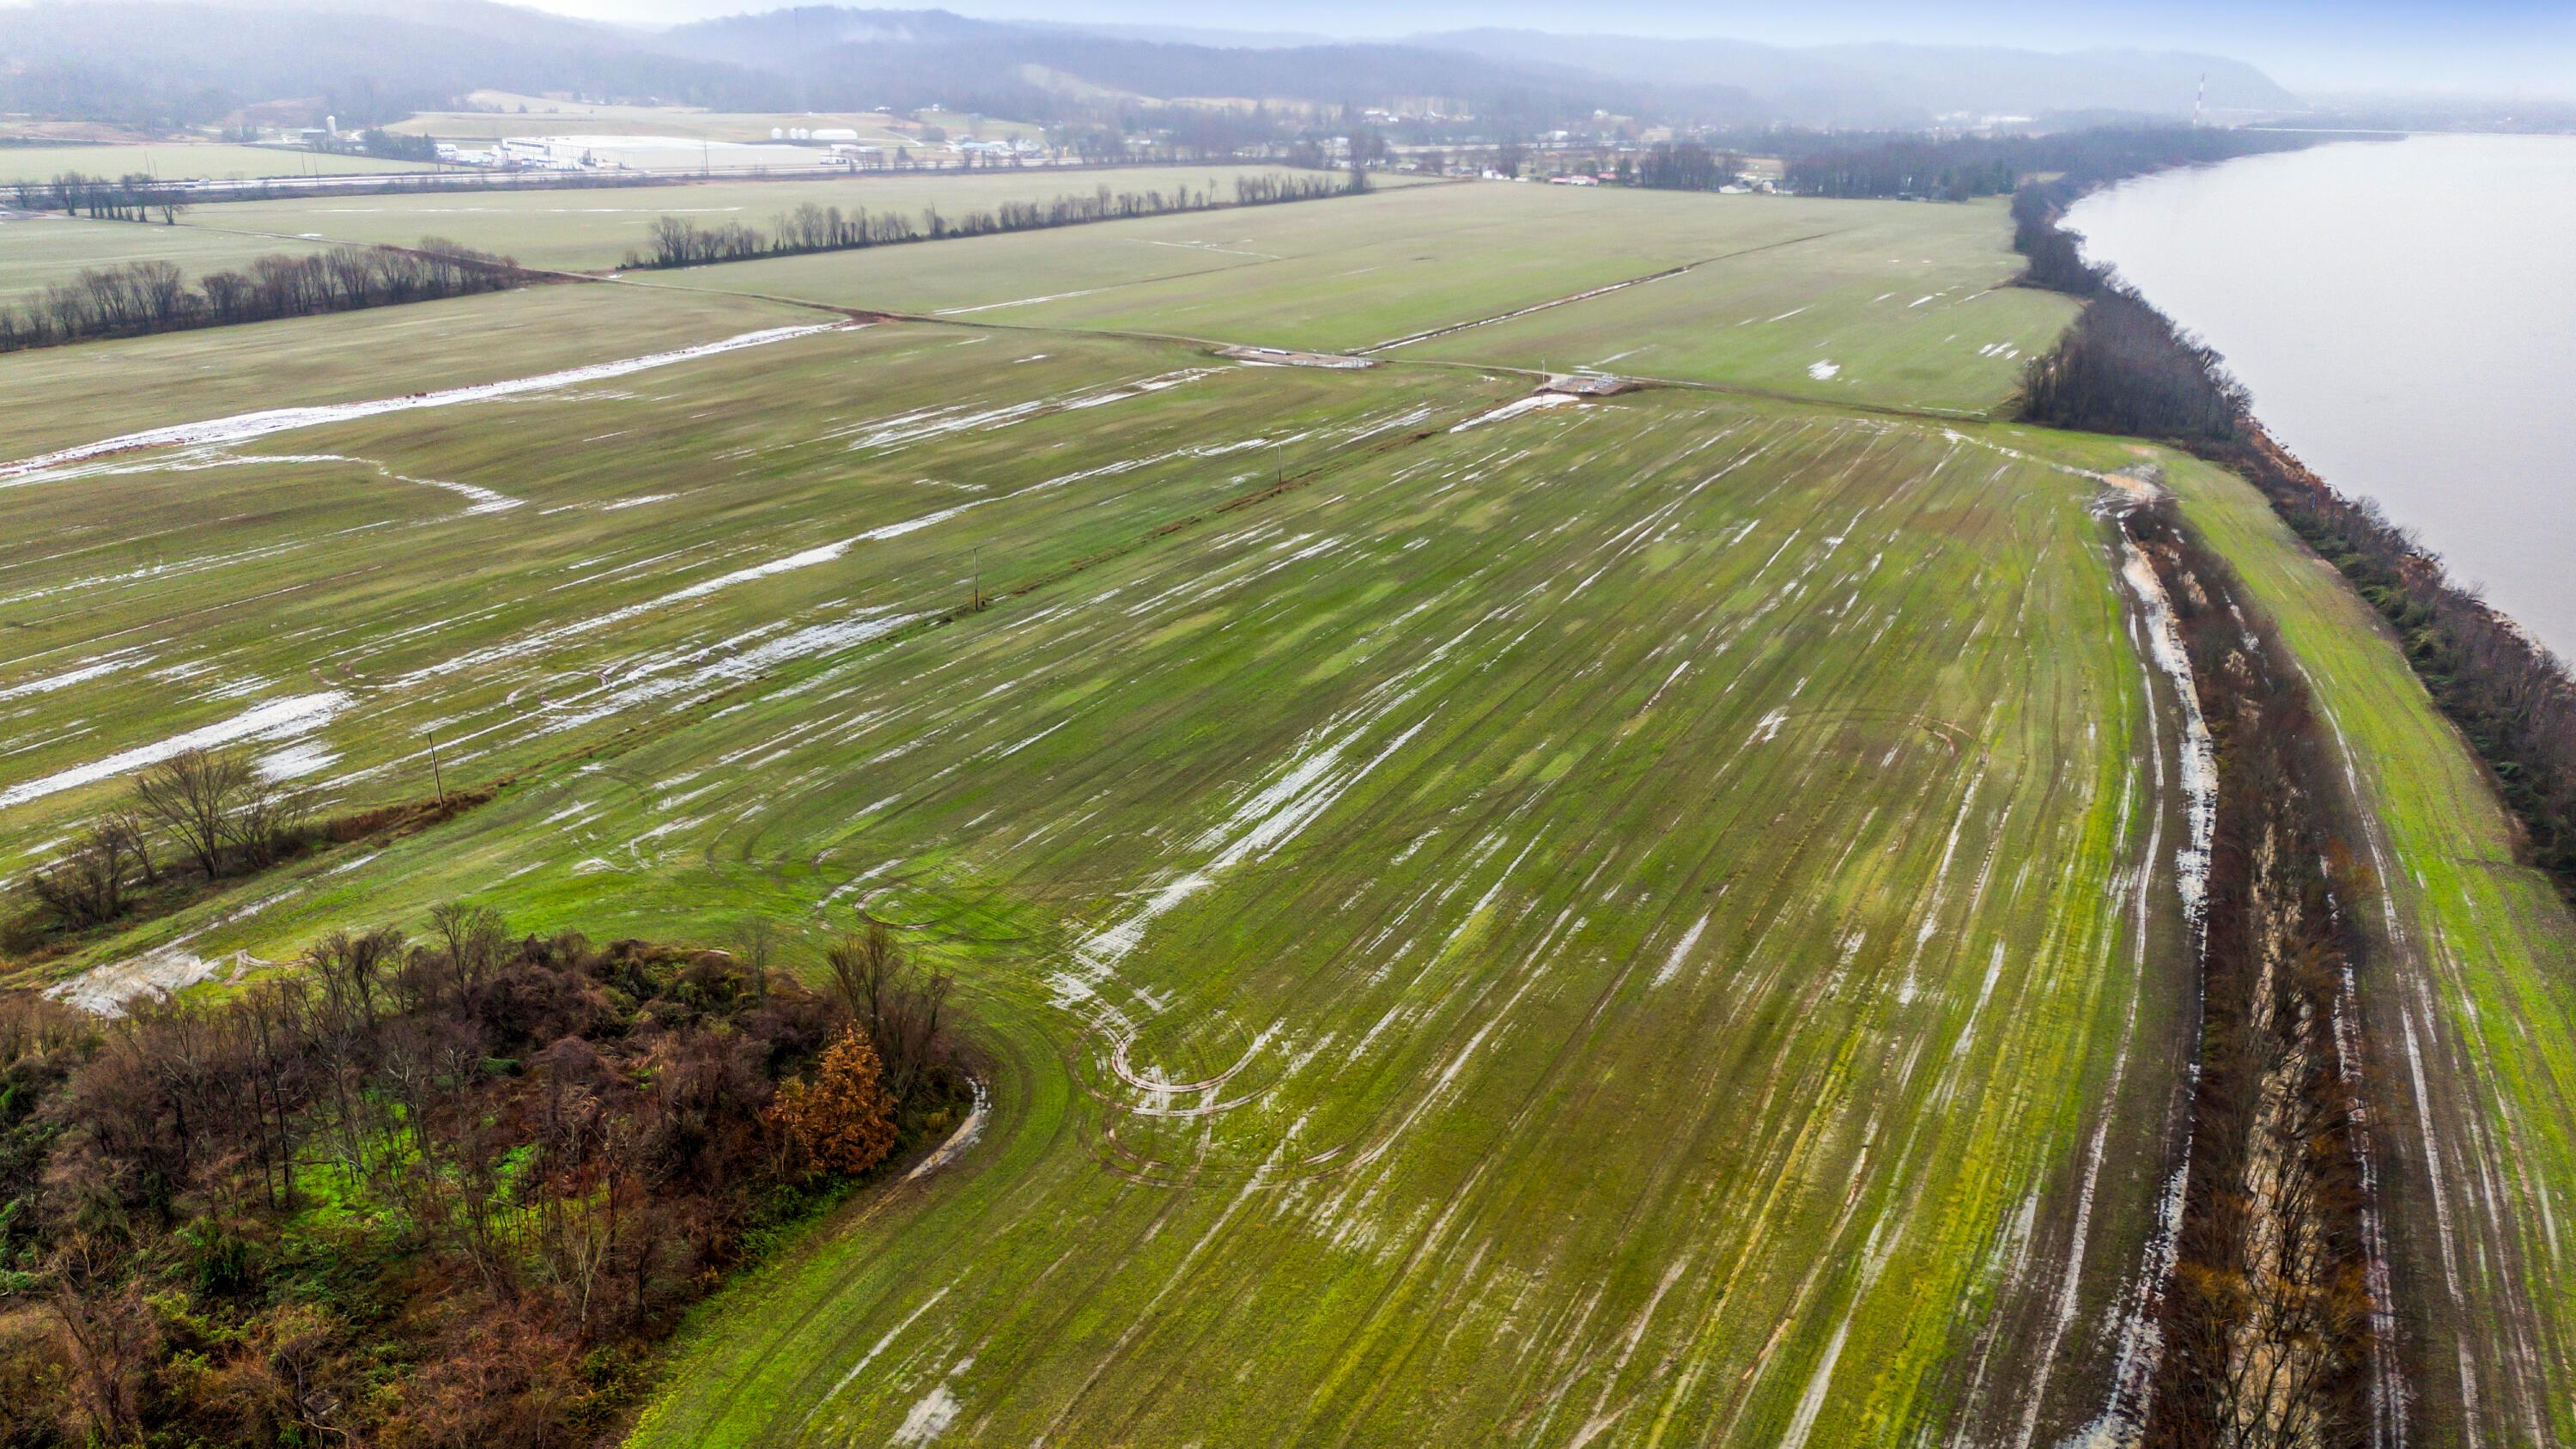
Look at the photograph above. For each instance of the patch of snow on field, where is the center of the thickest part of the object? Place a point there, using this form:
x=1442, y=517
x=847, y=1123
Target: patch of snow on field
x=106, y=990
x=881, y=1346
x=1270, y=818
x=2199, y=755
x=296, y=761
x=1681, y=949
x=242, y=427
x=1823, y=371
x=547, y=638
x=81, y=673
x=731, y=663
x=483, y=500
x=277, y=720
x=1014, y=302
x=1515, y=409
x=929, y=1419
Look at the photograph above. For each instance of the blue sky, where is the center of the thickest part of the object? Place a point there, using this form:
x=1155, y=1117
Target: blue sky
x=2489, y=47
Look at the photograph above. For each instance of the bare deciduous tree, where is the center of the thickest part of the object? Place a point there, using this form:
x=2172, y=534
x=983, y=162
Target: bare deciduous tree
x=193, y=795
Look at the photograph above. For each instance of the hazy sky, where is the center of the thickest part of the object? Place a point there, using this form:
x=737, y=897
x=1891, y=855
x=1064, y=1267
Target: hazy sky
x=2494, y=47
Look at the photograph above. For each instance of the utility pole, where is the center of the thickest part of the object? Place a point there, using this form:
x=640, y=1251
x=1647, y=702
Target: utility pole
x=436, y=777
x=977, y=555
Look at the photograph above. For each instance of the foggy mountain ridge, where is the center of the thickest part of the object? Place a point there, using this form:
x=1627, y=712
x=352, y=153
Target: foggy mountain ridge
x=842, y=56
x=1889, y=83
x=164, y=62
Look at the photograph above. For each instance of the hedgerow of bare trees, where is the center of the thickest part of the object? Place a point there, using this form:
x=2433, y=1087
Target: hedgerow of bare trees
x=134, y=298
x=131, y=197
x=900, y=1002
x=2268, y=1321
x=1686, y=166
x=678, y=242
x=213, y=813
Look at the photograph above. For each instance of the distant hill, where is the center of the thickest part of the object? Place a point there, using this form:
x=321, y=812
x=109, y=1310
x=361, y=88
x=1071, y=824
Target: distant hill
x=845, y=56
x=1896, y=85
x=169, y=62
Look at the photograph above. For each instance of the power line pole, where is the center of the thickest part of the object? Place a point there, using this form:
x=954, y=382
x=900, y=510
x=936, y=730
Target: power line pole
x=977, y=555
x=436, y=777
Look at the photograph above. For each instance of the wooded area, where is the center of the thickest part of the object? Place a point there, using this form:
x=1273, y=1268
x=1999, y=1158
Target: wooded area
x=1685, y=166
x=1854, y=164
x=132, y=299
x=436, y=1190
x=2269, y=1320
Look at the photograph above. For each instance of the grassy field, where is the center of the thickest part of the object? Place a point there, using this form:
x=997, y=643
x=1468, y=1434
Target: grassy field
x=1646, y=921
x=1355, y=885
x=1371, y=271
x=594, y=229
x=1905, y=308
x=68, y=395
x=38, y=251
x=2470, y=1004
x=187, y=161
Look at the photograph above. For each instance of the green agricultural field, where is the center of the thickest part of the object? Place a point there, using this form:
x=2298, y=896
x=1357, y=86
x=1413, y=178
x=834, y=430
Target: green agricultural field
x=187, y=161
x=1483, y=917
x=68, y=395
x=595, y=228
x=1624, y=814
x=1907, y=308
x=38, y=251
x=1371, y=272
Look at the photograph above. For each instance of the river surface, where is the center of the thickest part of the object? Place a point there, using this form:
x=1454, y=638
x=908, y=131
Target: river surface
x=2405, y=314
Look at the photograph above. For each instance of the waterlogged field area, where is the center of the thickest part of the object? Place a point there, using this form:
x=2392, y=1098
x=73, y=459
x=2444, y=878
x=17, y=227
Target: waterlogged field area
x=594, y=229
x=1487, y=917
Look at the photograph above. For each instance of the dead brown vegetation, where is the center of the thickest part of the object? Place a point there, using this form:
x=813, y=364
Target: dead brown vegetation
x=422, y=1191
x=2268, y=1323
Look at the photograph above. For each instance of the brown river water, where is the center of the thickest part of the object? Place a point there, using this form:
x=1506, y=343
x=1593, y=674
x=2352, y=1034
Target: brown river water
x=2405, y=314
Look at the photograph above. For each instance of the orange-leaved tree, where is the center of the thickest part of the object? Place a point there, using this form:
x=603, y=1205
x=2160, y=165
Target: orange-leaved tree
x=844, y=1120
